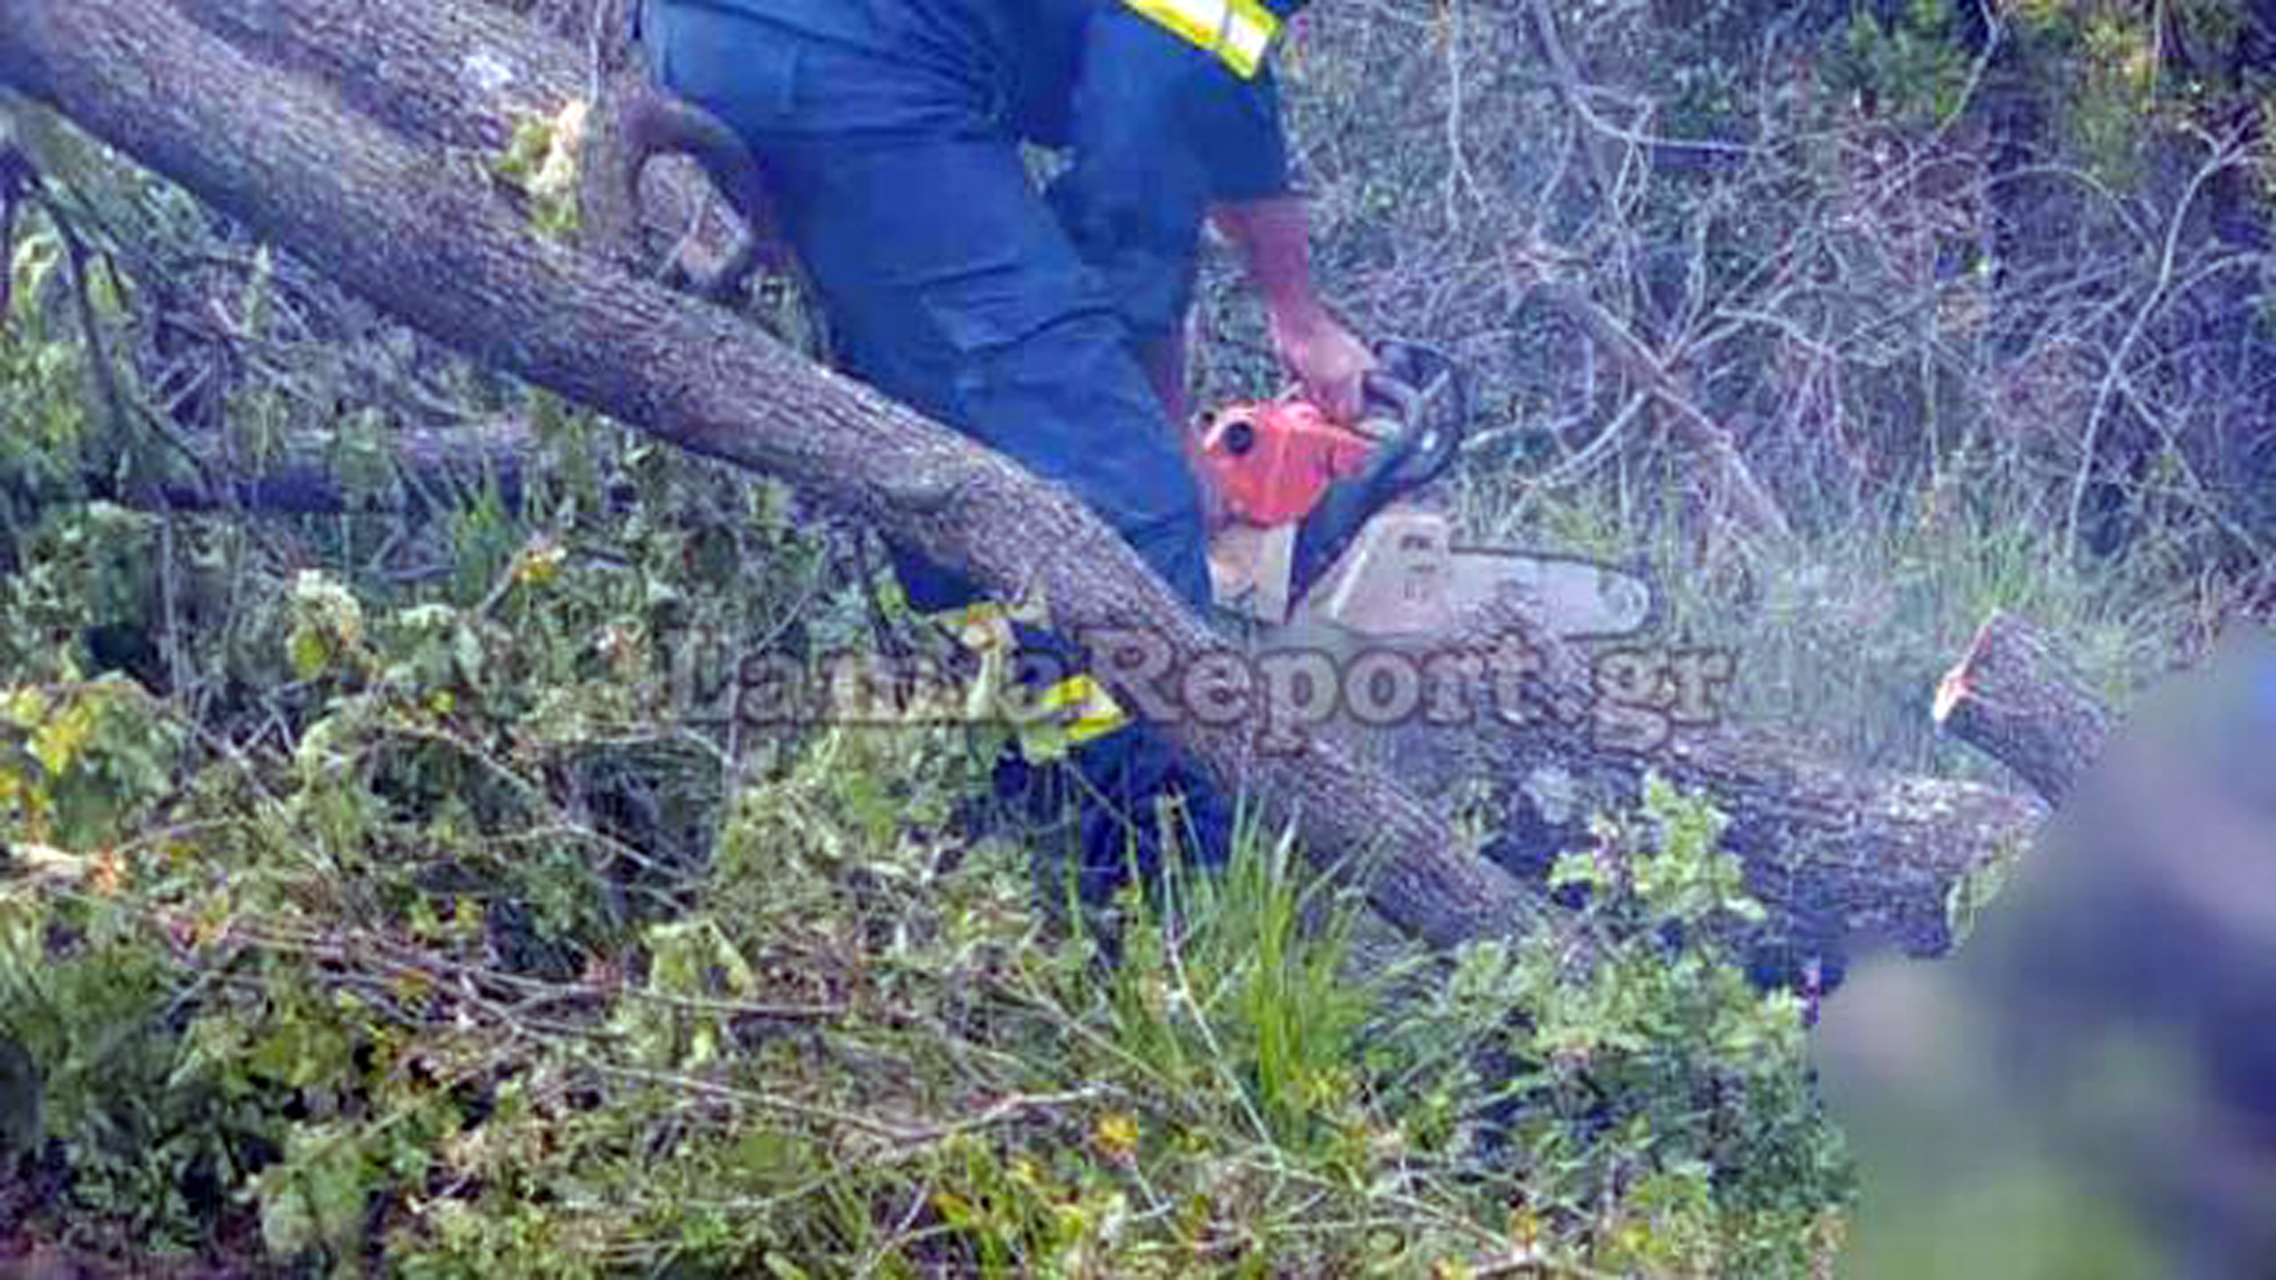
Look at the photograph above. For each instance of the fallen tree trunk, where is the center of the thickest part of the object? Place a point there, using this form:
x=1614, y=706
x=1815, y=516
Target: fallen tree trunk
x=1841, y=856
x=1836, y=853
x=2012, y=698
x=434, y=244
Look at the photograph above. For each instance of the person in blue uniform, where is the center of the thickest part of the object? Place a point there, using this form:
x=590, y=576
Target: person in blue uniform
x=1045, y=323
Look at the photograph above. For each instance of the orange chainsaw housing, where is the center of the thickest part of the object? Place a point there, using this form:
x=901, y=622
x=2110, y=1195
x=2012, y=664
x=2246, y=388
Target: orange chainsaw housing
x=1270, y=462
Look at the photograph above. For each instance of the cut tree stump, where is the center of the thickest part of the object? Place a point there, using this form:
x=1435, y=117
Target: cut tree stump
x=2014, y=698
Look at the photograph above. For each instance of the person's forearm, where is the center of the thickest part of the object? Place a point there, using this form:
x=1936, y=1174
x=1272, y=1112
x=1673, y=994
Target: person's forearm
x=1274, y=240
x=1273, y=237
x=1271, y=229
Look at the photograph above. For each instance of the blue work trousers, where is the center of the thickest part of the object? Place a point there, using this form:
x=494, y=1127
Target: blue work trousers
x=951, y=285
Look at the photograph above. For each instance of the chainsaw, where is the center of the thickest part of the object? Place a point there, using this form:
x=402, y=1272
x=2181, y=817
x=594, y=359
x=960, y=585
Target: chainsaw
x=1325, y=535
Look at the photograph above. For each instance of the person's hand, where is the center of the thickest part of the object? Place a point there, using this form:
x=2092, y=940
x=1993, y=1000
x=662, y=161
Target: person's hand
x=1327, y=359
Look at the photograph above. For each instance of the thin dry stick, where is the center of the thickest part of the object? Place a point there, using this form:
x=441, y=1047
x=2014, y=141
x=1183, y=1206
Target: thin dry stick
x=2226, y=156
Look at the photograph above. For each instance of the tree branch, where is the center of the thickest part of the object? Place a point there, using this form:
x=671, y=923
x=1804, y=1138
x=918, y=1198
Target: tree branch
x=1757, y=510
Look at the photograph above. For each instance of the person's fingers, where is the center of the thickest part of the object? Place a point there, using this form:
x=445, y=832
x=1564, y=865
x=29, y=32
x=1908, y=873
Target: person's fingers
x=1349, y=386
x=1330, y=364
x=1345, y=394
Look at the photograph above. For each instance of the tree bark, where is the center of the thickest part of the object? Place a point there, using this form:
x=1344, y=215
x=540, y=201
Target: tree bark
x=461, y=76
x=2014, y=699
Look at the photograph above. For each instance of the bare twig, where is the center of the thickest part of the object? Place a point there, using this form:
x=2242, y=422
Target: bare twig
x=2226, y=155
x=1758, y=512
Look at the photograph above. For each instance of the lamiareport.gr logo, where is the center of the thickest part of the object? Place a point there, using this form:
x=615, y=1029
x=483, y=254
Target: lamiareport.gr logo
x=1636, y=698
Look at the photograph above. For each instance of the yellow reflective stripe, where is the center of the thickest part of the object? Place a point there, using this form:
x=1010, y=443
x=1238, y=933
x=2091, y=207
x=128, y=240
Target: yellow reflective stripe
x=1239, y=32
x=1096, y=713
x=986, y=628
x=1249, y=37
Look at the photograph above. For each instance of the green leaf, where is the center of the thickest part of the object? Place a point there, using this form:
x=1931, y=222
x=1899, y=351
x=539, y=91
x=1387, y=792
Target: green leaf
x=60, y=740
x=466, y=650
x=315, y=1199
x=309, y=652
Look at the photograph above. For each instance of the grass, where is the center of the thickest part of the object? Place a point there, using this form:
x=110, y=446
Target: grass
x=1843, y=639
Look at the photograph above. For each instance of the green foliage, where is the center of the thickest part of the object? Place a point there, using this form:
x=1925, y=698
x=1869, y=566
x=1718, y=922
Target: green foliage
x=1911, y=64
x=1658, y=1098
x=92, y=1016
x=81, y=766
x=394, y=985
x=43, y=370
x=2103, y=60
x=2117, y=77
x=540, y=162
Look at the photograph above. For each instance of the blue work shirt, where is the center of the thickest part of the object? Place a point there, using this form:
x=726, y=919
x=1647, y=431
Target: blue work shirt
x=1155, y=128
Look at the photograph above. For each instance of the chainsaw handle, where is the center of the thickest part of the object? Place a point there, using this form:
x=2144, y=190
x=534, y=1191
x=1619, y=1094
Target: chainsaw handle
x=1422, y=450
x=1428, y=399
x=1425, y=392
